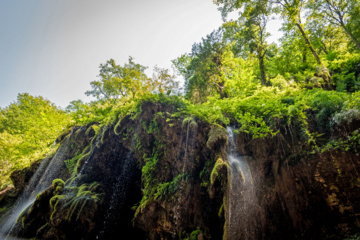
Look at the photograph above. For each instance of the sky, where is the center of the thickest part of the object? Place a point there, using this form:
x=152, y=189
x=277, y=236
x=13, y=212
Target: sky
x=54, y=48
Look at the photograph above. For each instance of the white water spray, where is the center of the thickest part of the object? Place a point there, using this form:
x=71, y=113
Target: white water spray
x=42, y=179
x=242, y=200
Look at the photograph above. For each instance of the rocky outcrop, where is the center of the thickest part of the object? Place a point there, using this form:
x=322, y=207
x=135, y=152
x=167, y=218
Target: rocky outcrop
x=156, y=175
x=302, y=193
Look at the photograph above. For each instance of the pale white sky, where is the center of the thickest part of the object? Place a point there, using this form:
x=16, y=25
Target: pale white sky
x=53, y=48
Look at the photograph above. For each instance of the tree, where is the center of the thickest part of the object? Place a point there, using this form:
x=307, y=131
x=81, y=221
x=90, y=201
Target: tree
x=163, y=81
x=28, y=127
x=202, y=68
x=249, y=31
x=339, y=13
x=325, y=37
x=290, y=11
x=292, y=57
x=118, y=82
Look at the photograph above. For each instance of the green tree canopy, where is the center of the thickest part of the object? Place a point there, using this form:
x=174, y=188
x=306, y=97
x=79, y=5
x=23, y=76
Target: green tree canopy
x=28, y=127
x=118, y=82
x=202, y=68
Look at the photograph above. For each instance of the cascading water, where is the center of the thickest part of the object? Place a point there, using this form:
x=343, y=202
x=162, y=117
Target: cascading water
x=42, y=178
x=182, y=183
x=177, y=207
x=119, y=191
x=242, y=200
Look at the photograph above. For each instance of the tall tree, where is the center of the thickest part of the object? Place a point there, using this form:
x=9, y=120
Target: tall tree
x=339, y=13
x=163, y=81
x=250, y=32
x=324, y=36
x=202, y=68
x=118, y=82
x=290, y=10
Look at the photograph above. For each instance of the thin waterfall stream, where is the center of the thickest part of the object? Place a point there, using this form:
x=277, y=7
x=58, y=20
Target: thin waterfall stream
x=42, y=179
x=242, y=200
x=177, y=207
x=119, y=192
x=191, y=130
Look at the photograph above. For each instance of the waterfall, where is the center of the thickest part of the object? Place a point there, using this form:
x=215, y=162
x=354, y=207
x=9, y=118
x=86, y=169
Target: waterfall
x=190, y=130
x=120, y=189
x=242, y=200
x=42, y=179
x=177, y=206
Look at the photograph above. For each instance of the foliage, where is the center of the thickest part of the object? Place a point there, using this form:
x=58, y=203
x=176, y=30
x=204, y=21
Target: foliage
x=203, y=67
x=100, y=111
x=28, y=128
x=71, y=163
x=193, y=235
x=354, y=237
x=338, y=12
x=163, y=81
x=149, y=181
x=232, y=76
x=73, y=200
x=167, y=189
x=249, y=33
x=118, y=82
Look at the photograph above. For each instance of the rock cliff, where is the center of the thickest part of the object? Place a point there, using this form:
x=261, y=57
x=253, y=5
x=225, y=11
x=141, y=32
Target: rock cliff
x=158, y=175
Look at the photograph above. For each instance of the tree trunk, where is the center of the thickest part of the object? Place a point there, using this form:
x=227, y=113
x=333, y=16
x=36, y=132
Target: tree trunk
x=324, y=47
x=307, y=40
x=350, y=35
x=262, y=69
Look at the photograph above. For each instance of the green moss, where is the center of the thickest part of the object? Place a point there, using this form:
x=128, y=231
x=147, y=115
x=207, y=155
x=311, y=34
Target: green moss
x=94, y=128
x=71, y=163
x=219, y=165
x=217, y=133
x=58, y=186
x=104, y=132
x=153, y=189
x=221, y=210
x=54, y=204
x=138, y=144
x=75, y=199
x=22, y=215
x=152, y=127
x=167, y=189
x=354, y=237
x=149, y=180
x=189, y=120
x=86, y=153
x=116, y=131
x=193, y=235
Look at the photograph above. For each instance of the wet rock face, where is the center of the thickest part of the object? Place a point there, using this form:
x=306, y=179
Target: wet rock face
x=302, y=196
x=113, y=158
x=181, y=200
x=21, y=178
x=156, y=176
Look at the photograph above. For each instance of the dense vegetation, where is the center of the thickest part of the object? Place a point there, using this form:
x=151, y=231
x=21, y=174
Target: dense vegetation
x=233, y=76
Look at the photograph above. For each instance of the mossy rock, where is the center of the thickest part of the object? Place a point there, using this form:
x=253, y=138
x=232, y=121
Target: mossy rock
x=73, y=201
x=59, y=185
x=217, y=137
x=91, y=131
x=63, y=135
x=219, y=166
